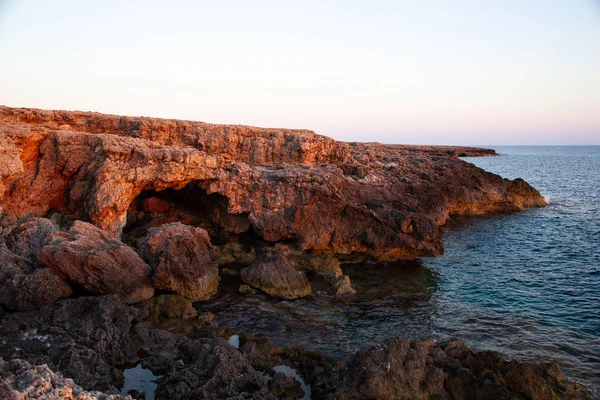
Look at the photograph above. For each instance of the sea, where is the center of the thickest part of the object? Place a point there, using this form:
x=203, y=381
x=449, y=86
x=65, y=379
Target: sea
x=525, y=284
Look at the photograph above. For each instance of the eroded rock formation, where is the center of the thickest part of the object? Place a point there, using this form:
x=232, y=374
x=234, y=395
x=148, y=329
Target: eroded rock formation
x=137, y=204
x=182, y=259
x=353, y=201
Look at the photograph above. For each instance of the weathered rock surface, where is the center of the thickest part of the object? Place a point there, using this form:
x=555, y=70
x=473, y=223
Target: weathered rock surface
x=28, y=238
x=22, y=287
x=324, y=265
x=183, y=260
x=21, y=380
x=93, y=339
x=277, y=277
x=100, y=264
x=352, y=201
x=399, y=369
x=172, y=189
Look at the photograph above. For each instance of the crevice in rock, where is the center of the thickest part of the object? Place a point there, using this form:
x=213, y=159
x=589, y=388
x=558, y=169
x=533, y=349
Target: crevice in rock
x=190, y=205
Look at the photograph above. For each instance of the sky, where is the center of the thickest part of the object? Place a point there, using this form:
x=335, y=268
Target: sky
x=423, y=72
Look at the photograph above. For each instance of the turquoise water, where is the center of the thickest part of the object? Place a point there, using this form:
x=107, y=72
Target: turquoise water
x=525, y=284
x=532, y=279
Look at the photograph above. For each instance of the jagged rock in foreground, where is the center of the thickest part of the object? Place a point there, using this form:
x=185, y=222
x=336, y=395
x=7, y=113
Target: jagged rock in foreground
x=398, y=369
x=93, y=339
x=20, y=380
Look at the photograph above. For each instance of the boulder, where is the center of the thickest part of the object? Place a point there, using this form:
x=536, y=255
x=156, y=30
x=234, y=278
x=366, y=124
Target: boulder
x=23, y=288
x=155, y=205
x=21, y=292
x=30, y=235
x=167, y=306
x=90, y=258
x=183, y=260
x=277, y=278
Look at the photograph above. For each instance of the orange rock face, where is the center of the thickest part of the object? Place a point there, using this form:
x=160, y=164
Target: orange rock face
x=352, y=201
x=97, y=263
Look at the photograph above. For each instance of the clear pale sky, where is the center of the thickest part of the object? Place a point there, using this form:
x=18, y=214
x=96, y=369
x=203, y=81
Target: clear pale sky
x=444, y=71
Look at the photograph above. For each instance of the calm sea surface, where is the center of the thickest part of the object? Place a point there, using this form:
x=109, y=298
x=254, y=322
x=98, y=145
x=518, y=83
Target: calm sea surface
x=525, y=284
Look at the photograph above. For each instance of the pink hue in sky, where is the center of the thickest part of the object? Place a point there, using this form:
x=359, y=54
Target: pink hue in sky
x=446, y=72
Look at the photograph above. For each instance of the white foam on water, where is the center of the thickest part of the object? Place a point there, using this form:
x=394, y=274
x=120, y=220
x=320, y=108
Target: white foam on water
x=30, y=335
x=546, y=199
x=292, y=373
x=140, y=378
x=234, y=340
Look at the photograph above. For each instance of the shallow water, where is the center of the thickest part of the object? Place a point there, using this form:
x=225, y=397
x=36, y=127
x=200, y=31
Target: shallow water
x=526, y=284
x=139, y=378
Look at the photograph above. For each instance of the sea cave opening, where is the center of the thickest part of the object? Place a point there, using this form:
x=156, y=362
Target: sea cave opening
x=190, y=205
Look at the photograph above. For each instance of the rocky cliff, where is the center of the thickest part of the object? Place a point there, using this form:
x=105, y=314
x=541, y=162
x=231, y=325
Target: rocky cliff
x=100, y=215
x=350, y=200
x=254, y=192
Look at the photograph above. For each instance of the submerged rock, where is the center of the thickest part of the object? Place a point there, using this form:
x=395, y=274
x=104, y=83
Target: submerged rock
x=278, y=278
x=97, y=262
x=182, y=259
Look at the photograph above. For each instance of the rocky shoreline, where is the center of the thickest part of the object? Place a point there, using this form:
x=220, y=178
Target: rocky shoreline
x=112, y=226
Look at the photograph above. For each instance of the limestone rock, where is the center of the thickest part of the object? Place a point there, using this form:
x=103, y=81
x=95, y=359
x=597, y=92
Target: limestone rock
x=28, y=238
x=400, y=370
x=167, y=306
x=278, y=278
x=23, y=288
x=21, y=380
x=97, y=262
x=353, y=201
x=23, y=292
x=342, y=286
x=183, y=260
x=324, y=265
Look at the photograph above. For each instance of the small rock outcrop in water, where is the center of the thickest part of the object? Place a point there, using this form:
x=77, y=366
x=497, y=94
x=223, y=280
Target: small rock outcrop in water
x=277, y=278
x=138, y=204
